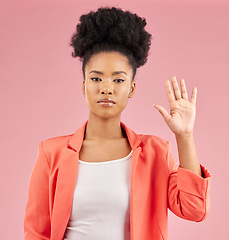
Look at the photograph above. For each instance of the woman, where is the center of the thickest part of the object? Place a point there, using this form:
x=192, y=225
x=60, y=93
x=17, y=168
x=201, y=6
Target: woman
x=105, y=181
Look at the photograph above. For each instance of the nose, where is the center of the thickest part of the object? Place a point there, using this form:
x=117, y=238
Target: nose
x=106, y=87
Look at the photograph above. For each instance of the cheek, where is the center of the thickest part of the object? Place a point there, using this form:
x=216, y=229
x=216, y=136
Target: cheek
x=90, y=90
x=124, y=95
x=125, y=92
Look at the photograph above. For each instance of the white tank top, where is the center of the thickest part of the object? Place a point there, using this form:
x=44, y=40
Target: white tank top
x=101, y=201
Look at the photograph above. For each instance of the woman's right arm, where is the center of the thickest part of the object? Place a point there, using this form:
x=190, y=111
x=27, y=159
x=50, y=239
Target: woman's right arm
x=37, y=224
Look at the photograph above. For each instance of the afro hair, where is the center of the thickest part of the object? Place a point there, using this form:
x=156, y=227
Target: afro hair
x=111, y=29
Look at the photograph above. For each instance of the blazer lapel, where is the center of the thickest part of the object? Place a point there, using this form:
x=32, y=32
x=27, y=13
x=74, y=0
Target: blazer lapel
x=65, y=185
x=135, y=194
x=67, y=178
x=66, y=181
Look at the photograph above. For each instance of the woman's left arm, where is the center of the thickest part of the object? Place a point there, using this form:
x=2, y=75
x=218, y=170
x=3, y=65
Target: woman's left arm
x=181, y=122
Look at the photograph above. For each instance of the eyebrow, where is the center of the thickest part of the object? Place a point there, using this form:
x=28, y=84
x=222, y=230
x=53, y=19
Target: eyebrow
x=114, y=73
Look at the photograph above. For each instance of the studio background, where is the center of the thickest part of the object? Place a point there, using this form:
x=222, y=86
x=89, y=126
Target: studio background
x=41, y=93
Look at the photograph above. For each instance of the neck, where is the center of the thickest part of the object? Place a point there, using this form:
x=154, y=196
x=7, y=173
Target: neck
x=103, y=129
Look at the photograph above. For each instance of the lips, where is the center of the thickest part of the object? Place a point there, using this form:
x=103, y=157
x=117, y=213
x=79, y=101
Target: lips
x=106, y=100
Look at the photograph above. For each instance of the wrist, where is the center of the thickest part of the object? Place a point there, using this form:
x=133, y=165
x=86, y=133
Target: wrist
x=184, y=136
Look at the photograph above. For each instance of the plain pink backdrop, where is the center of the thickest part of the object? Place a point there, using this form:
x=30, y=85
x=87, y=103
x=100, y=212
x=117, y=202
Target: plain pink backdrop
x=41, y=91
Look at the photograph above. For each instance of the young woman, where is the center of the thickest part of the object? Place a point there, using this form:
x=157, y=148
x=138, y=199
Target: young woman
x=105, y=181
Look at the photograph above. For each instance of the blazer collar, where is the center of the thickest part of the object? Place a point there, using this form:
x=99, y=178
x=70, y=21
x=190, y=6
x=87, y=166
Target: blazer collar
x=76, y=140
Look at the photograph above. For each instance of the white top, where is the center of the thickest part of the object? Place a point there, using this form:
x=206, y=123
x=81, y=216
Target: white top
x=100, y=209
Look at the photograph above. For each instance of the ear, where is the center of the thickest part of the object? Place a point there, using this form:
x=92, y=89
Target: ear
x=132, y=89
x=83, y=87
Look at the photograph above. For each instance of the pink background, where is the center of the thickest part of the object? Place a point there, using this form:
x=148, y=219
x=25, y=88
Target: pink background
x=41, y=94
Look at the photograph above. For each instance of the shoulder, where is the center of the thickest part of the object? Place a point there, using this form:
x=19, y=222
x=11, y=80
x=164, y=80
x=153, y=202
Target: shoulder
x=154, y=141
x=158, y=147
x=55, y=145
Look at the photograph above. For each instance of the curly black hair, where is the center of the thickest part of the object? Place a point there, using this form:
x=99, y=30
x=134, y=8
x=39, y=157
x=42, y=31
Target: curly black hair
x=111, y=29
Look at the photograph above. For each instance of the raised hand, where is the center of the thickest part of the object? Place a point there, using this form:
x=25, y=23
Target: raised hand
x=182, y=111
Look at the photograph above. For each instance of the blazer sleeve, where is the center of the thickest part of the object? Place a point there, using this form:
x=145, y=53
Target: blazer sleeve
x=188, y=193
x=37, y=218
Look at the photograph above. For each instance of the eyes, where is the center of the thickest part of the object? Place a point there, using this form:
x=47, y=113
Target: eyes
x=118, y=80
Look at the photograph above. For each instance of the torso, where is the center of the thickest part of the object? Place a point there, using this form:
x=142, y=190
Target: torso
x=94, y=151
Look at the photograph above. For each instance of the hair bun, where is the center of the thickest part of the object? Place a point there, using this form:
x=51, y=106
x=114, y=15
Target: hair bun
x=114, y=26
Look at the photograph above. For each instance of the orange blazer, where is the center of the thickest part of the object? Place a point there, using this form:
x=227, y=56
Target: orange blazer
x=157, y=184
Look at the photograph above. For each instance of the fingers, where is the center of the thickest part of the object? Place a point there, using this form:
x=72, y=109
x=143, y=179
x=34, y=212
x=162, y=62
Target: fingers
x=177, y=94
x=184, y=93
x=176, y=88
x=193, y=97
x=169, y=91
x=163, y=112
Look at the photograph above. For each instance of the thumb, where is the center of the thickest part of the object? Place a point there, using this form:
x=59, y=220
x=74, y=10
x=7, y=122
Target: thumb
x=163, y=112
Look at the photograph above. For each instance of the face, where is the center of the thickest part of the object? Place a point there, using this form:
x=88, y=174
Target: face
x=108, y=75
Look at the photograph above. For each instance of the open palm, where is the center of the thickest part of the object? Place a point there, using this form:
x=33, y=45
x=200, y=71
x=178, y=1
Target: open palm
x=182, y=111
